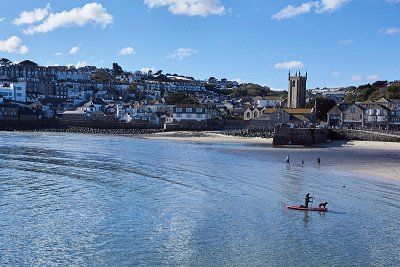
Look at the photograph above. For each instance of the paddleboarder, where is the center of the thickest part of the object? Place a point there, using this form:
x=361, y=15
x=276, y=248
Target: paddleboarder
x=307, y=200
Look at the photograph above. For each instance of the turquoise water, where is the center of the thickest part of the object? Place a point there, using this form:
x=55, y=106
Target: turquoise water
x=71, y=199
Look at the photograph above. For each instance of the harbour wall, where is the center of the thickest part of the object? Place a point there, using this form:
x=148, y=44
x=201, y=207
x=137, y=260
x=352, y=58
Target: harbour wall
x=364, y=135
x=299, y=136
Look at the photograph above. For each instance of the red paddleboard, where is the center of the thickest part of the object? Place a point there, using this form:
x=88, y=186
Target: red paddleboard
x=307, y=209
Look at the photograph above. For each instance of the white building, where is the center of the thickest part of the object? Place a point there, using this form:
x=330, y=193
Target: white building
x=269, y=102
x=194, y=113
x=14, y=91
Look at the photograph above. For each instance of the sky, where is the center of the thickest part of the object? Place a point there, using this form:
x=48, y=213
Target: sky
x=339, y=42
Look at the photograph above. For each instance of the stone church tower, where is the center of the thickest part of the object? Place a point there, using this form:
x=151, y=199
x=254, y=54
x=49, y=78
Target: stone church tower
x=297, y=91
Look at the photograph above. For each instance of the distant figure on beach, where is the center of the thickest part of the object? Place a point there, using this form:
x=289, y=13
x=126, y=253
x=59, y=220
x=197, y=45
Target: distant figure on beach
x=318, y=161
x=302, y=163
x=288, y=161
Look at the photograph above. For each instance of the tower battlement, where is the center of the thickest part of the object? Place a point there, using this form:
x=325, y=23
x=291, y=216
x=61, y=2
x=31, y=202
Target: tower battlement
x=297, y=90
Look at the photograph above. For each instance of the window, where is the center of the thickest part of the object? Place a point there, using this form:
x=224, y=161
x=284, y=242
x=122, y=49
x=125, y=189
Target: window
x=179, y=115
x=19, y=94
x=199, y=116
x=189, y=110
x=199, y=110
x=178, y=109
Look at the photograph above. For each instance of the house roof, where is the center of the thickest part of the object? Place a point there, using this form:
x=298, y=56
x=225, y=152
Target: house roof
x=189, y=106
x=357, y=106
x=291, y=111
x=335, y=109
x=273, y=97
x=9, y=105
x=301, y=118
x=378, y=106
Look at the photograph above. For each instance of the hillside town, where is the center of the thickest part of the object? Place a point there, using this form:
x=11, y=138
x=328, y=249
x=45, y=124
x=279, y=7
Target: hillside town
x=87, y=95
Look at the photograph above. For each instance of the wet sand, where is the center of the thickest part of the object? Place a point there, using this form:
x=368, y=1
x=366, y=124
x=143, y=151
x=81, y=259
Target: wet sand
x=379, y=160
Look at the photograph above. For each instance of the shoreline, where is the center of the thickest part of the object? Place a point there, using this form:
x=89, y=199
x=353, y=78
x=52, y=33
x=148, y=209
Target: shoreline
x=363, y=158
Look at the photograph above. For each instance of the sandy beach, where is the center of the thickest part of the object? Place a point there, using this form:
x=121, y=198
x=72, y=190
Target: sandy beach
x=378, y=160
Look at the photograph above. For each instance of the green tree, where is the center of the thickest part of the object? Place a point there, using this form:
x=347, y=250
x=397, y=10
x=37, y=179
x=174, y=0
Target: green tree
x=5, y=62
x=132, y=89
x=28, y=63
x=101, y=76
x=117, y=69
x=322, y=106
x=350, y=98
x=180, y=97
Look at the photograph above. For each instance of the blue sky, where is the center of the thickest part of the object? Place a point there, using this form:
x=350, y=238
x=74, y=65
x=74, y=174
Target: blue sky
x=340, y=42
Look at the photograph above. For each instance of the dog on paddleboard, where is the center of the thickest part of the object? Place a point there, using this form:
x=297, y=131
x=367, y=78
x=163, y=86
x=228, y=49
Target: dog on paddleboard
x=322, y=205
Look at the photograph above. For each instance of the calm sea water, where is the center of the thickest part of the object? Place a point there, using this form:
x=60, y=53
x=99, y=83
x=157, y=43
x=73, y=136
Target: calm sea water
x=71, y=199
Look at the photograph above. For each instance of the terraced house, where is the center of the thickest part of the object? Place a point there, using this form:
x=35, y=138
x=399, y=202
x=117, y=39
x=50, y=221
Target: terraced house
x=195, y=116
x=374, y=115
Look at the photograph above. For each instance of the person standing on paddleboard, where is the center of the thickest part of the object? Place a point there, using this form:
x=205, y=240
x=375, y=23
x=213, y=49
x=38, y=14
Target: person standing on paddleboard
x=288, y=161
x=307, y=200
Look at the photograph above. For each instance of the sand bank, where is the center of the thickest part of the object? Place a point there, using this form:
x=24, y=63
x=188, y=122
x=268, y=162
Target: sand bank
x=374, y=159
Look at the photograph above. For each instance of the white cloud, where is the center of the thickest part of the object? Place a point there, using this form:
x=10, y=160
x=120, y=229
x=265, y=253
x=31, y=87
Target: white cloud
x=79, y=16
x=2, y=19
x=189, y=7
x=393, y=1
x=74, y=50
x=359, y=78
x=58, y=54
x=330, y=5
x=289, y=65
x=29, y=17
x=80, y=64
x=356, y=78
x=13, y=46
x=335, y=73
x=182, y=53
x=126, y=51
x=146, y=70
x=390, y=31
x=238, y=80
x=347, y=42
x=321, y=6
x=52, y=64
x=372, y=77
x=293, y=11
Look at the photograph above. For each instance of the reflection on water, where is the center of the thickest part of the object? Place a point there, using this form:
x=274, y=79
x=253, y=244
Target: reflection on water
x=70, y=199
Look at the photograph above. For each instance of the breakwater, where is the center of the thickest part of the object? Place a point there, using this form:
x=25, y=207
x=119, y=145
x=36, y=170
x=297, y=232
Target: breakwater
x=364, y=135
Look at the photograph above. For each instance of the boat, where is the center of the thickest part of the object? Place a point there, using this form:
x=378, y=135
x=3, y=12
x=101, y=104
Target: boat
x=322, y=209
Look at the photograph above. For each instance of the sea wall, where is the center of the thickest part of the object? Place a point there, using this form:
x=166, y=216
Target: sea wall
x=364, y=135
x=78, y=127
x=299, y=136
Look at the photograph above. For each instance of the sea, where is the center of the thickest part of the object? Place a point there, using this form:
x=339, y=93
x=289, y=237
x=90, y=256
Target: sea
x=102, y=200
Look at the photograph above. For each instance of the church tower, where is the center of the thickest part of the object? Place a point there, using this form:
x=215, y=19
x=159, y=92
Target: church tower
x=297, y=91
